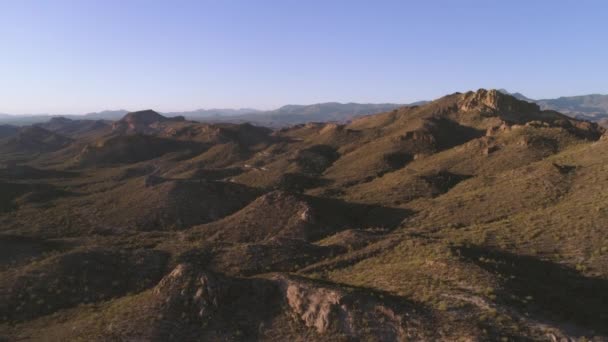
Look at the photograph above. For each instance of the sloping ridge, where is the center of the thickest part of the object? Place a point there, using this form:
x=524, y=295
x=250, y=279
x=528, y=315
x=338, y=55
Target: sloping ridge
x=141, y=121
x=75, y=128
x=133, y=148
x=282, y=214
x=156, y=203
x=36, y=139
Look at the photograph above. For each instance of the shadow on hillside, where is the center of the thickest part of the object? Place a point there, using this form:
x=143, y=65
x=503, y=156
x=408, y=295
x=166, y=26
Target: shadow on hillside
x=361, y=215
x=12, y=195
x=24, y=172
x=448, y=133
x=217, y=174
x=17, y=249
x=298, y=182
x=549, y=289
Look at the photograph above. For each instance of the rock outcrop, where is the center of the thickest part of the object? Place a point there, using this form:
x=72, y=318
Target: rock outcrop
x=208, y=299
x=346, y=312
x=494, y=101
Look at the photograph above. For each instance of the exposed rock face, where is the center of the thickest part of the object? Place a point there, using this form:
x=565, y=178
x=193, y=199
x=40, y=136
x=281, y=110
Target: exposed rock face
x=332, y=310
x=513, y=113
x=197, y=295
x=419, y=136
x=75, y=128
x=492, y=100
x=585, y=129
x=186, y=289
x=318, y=308
x=199, y=305
x=495, y=130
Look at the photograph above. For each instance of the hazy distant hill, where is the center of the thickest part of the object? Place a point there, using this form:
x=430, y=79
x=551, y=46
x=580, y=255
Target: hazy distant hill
x=206, y=113
x=320, y=112
x=28, y=119
x=21, y=120
x=290, y=114
x=106, y=115
x=284, y=116
x=593, y=107
x=518, y=96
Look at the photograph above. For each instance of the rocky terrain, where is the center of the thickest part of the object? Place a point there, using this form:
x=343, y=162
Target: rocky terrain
x=474, y=217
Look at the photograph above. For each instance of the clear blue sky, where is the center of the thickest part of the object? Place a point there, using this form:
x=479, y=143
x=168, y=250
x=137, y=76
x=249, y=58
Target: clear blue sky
x=60, y=56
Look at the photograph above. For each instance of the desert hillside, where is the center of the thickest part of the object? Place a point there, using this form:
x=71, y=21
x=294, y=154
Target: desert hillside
x=474, y=217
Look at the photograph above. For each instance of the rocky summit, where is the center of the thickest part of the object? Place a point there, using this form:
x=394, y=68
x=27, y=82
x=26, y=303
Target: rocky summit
x=474, y=217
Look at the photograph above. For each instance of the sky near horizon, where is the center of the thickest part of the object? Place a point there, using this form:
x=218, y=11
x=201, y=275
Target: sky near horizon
x=78, y=56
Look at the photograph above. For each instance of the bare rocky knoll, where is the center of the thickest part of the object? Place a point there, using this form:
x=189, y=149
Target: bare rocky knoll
x=476, y=217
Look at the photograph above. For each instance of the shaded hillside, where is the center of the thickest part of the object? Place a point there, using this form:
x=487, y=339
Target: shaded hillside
x=33, y=139
x=76, y=128
x=7, y=130
x=284, y=215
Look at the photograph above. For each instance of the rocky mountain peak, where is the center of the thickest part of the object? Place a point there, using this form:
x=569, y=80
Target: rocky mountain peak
x=494, y=101
x=144, y=117
x=141, y=121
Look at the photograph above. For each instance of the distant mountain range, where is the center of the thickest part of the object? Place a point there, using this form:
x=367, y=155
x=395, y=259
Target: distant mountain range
x=207, y=113
x=320, y=112
x=284, y=116
x=593, y=107
x=28, y=119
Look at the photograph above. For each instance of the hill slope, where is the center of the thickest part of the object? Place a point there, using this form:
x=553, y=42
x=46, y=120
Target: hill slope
x=477, y=217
